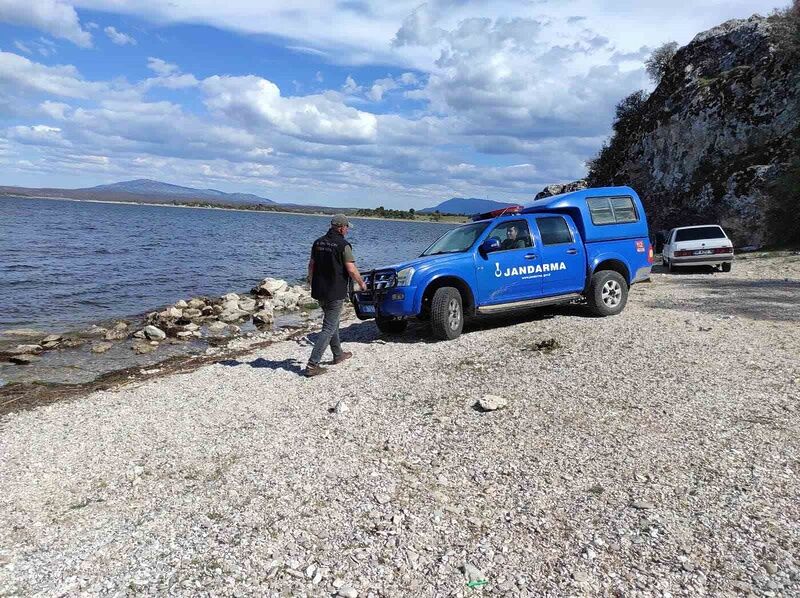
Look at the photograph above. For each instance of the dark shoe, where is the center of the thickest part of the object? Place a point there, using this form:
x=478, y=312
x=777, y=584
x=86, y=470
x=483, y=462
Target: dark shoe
x=314, y=370
x=342, y=357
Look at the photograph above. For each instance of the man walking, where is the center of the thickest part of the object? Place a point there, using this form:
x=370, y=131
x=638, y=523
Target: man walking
x=331, y=265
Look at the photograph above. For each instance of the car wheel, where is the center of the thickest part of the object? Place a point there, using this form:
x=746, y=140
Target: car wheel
x=391, y=325
x=670, y=266
x=726, y=266
x=447, y=313
x=608, y=293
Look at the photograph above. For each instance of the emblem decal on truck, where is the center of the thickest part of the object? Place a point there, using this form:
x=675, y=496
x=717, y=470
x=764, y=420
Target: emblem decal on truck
x=522, y=270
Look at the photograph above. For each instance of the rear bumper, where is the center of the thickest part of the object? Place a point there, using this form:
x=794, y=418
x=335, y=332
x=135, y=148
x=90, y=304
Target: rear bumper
x=642, y=274
x=702, y=260
x=397, y=302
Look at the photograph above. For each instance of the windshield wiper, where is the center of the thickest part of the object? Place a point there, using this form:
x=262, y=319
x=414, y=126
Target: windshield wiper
x=443, y=252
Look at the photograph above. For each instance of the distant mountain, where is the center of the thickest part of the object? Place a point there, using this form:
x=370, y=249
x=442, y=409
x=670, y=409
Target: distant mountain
x=150, y=188
x=467, y=206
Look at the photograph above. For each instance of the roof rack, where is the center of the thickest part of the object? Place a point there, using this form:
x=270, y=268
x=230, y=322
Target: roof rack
x=515, y=209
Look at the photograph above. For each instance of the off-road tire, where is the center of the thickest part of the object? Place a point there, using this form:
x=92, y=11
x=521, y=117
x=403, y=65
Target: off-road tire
x=391, y=325
x=447, y=314
x=608, y=293
x=726, y=266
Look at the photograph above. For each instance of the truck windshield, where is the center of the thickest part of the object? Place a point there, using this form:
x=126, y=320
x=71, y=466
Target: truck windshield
x=457, y=240
x=699, y=233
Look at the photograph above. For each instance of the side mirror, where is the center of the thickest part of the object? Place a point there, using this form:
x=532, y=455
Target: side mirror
x=489, y=245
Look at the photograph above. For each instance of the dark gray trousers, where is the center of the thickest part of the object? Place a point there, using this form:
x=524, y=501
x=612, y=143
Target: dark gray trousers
x=329, y=335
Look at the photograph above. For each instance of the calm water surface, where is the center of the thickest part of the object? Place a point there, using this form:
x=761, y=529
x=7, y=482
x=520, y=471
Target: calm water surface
x=65, y=264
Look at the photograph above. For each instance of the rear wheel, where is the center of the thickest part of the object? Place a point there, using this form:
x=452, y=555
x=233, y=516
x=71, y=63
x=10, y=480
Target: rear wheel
x=447, y=313
x=726, y=266
x=670, y=267
x=391, y=325
x=608, y=293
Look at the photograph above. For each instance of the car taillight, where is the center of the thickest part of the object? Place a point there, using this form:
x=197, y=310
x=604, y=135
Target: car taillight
x=683, y=253
x=649, y=253
x=723, y=250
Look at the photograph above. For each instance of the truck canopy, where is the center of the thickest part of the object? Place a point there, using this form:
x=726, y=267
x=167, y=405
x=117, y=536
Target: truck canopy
x=600, y=213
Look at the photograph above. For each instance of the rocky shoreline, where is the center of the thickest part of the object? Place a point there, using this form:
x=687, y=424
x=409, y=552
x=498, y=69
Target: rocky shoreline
x=212, y=320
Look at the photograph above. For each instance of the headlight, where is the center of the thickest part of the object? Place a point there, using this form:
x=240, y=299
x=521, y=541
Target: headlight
x=404, y=277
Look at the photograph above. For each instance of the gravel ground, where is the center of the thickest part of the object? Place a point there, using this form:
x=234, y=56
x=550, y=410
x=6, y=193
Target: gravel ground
x=654, y=453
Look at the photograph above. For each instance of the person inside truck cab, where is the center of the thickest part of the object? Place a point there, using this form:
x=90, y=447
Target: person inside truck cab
x=512, y=240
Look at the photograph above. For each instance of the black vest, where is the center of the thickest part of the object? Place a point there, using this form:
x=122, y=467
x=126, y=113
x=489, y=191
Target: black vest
x=329, y=279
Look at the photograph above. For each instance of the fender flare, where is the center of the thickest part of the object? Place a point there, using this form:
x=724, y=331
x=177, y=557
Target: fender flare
x=611, y=256
x=422, y=288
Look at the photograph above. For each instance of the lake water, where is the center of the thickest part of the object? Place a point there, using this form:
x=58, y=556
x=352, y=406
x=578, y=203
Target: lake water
x=66, y=264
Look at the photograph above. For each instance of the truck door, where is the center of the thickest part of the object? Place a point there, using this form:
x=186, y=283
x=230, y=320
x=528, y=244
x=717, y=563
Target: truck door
x=563, y=257
x=509, y=274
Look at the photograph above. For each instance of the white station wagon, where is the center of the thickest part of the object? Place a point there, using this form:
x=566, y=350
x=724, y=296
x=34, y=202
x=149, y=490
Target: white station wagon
x=705, y=245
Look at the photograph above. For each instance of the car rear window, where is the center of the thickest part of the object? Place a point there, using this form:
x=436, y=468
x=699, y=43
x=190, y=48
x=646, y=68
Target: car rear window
x=699, y=233
x=612, y=210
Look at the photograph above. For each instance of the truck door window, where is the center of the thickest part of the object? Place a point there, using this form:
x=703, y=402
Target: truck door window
x=554, y=230
x=513, y=234
x=612, y=210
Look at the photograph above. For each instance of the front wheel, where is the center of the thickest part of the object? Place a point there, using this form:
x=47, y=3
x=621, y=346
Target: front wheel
x=608, y=293
x=447, y=313
x=391, y=325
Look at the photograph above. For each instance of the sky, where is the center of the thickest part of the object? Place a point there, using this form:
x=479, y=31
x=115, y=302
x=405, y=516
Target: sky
x=346, y=103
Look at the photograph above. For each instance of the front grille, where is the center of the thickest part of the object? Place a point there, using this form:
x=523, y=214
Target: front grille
x=380, y=280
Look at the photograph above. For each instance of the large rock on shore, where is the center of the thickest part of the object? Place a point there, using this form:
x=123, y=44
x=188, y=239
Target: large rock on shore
x=558, y=189
x=154, y=334
x=270, y=287
x=283, y=295
x=718, y=140
x=26, y=350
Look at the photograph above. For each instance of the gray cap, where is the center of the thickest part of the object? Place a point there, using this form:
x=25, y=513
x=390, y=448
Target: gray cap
x=340, y=220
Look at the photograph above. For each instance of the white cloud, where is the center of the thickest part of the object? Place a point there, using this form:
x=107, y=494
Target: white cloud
x=168, y=75
x=54, y=110
x=22, y=47
x=161, y=67
x=22, y=74
x=40, y=135
x=380, y=87
x=256, y=102
x=119, y=38
x=350, y=86
x=55, y=17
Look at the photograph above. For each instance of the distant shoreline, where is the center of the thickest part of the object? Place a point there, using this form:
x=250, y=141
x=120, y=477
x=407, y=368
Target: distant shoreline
x=223, y=208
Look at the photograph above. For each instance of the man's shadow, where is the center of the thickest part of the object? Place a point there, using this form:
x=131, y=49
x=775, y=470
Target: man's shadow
x=290, y=365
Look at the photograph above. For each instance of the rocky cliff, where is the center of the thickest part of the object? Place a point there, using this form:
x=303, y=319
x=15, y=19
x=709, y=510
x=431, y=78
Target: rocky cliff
x=717, y=140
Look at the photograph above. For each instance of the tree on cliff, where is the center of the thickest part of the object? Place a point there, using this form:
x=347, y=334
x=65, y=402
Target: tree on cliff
x=658, y=62
x=628, y=116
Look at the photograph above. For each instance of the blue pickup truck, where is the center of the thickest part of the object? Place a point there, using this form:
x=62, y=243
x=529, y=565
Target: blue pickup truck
x=588, y=245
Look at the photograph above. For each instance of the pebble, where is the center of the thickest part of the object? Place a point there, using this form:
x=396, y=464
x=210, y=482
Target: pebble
x=101, y=347
x=347, y=592
x=491, y=403
x=472, y=573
